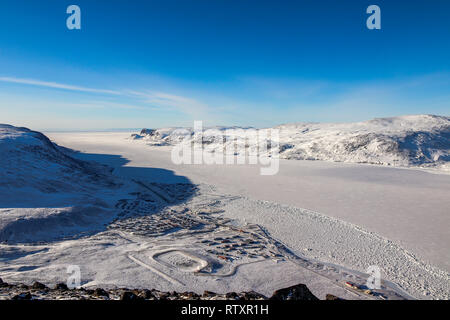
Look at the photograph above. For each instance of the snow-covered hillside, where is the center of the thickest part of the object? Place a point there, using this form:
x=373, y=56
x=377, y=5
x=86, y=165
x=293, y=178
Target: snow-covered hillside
x=147, y=225
x=406, y=141
x=45, y=192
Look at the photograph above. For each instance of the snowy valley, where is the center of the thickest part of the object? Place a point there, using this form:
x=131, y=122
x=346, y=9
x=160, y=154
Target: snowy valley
x=122, y=213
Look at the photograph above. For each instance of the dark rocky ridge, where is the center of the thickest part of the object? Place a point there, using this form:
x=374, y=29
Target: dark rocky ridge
x=39, y=291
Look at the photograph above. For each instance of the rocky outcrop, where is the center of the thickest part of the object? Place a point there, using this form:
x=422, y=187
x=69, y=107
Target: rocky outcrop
x=39, y=291
x=39, y=286
x=297, y=292
x=332, y=297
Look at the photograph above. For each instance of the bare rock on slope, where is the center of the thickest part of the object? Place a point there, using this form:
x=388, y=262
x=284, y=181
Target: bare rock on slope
x=61, y=292
x=297, y=292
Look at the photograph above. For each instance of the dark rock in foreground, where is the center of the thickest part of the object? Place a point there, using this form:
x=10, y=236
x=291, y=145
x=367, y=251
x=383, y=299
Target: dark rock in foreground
x=39, y=291
x=332, y=297
x=39, y=286
x=22, y=296
x=298, y=292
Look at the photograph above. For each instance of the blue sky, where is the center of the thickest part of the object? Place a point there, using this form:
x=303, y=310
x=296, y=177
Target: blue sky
x=260, y=63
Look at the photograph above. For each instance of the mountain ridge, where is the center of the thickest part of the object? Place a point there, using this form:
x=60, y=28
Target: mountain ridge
x=404, y=141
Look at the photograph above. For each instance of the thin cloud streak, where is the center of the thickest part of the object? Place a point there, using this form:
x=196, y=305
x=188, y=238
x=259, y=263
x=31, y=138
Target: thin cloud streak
x=107, y=105
x=181, y=103
x=153, y=98
x=56, y=85
x=267, y=102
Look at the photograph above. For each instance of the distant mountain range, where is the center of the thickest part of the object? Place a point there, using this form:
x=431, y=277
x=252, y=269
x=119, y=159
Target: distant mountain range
x=405, y=141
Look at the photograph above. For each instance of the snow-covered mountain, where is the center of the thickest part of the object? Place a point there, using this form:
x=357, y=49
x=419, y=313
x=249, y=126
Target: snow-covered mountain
x=44, y=191
x=406, y=141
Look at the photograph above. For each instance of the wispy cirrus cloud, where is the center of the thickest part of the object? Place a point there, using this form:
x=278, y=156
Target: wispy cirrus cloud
x=243, y=101
x=109, y=105
x=167, y=100
x=146, y=98
x=56, y=85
